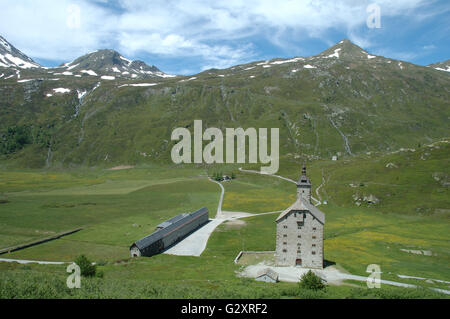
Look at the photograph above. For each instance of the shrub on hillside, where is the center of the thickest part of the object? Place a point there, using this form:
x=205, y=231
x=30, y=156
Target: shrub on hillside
x=86, y=266
x=311, y=281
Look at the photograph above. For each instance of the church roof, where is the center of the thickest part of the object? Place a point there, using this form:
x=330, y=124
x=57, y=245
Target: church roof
x=302, y=204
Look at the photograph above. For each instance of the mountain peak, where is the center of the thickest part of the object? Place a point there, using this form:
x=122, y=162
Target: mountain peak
x=12, y=57
x=346, y=49
x=111, y=63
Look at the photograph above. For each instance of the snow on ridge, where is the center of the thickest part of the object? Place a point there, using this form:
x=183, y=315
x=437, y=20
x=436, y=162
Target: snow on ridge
x=72, y=66
x=61, y=90
x=108, y=77
x=249, y=68
x=127, y=60
x=309, y=66
x=335, y=54
x=115, y=69
x=18, y=62
x=193, y=78
x=5, y=44
x=371, y=56
x=1, y=75
x=89, y=72
x=445, y=70
x=288, y=61
x=81, y=94
x=23, y=81
x=139, y=84
x=164, y=75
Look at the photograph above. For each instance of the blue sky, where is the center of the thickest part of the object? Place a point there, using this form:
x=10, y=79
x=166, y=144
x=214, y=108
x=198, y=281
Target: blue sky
x=187, y=37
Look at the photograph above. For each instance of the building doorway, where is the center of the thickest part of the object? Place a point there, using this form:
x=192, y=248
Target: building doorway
x=298, y=262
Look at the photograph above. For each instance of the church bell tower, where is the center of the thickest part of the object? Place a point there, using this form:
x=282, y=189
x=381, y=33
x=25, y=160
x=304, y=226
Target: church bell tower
x=304, y=186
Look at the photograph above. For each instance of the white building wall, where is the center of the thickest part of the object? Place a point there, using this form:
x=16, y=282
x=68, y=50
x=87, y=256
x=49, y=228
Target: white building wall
x=304, y=243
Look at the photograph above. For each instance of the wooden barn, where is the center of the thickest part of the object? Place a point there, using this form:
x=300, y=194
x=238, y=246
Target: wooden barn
x=169, y=233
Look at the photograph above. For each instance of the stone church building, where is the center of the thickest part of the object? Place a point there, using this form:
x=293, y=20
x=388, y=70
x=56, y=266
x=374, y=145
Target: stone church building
x=300, y=231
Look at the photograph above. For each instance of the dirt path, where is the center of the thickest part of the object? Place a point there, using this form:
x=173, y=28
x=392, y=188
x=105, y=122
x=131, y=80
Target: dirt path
x=331, y=274
x=195, y=244
x=219, y=208
x=317, y=202
x=20, y=261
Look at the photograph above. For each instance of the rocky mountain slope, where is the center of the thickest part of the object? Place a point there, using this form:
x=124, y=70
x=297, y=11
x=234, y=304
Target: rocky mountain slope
x=103, y=64
x=442, y=66
x=343, y=101
x=10, y=57
x=110, y=64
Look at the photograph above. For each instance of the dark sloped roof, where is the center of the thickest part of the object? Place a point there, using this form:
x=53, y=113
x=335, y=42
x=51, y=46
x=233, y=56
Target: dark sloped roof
x=175, y=223
x=172, y=220
x=269, y=273
x=301, y=205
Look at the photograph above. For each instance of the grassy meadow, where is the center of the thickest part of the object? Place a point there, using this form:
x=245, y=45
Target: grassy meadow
x=116, y=208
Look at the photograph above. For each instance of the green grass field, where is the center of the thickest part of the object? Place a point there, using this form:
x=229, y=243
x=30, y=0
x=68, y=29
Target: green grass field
x=116, y=208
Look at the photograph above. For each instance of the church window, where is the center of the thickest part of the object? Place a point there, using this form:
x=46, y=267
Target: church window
x=313, y=252
x=284, y=250
x=314, y=228
x=313, y=237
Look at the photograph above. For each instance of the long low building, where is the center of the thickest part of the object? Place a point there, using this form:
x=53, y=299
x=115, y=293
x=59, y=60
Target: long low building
x=169, y=233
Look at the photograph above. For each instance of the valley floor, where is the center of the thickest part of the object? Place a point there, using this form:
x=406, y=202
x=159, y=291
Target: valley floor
x=115, y=208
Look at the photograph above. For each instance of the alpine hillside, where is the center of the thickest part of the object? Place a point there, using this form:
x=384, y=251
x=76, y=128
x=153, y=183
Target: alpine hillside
x=342, y=102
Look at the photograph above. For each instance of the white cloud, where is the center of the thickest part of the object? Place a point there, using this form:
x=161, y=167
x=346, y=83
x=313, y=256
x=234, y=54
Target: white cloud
x=218, y=33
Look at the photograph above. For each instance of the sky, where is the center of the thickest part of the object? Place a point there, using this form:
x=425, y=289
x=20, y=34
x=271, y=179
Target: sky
x=189, y=36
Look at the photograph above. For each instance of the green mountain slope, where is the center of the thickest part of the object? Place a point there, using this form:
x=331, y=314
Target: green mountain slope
x=342, y=102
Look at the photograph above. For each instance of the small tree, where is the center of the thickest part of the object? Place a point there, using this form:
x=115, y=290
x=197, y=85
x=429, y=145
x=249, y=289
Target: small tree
x=86, y=267
x=311, y=281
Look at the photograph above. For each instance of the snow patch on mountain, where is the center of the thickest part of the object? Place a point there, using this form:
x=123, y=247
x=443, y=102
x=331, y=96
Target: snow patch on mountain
x=445, y=70
x=89, y=72
x=81, y=94
x=335, y=54
x=108, y=77
x=11, y=61
x=61, y=90
x=287, y=61
x=139, y=84
x=73, y=66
